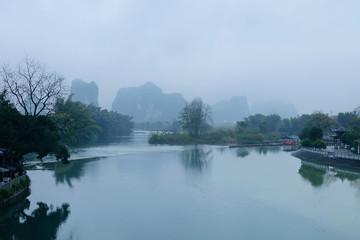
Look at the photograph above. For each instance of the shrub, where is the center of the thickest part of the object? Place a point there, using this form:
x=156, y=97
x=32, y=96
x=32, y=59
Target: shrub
x=319, y=144
x=306, y=143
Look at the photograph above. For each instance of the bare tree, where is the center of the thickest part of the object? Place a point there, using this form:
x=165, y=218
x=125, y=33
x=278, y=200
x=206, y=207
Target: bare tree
x=195, y=117
x=32, y=87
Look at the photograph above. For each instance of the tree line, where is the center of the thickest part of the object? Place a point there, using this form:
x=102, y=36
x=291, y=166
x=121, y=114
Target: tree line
x=195, y=122
x=36, y=116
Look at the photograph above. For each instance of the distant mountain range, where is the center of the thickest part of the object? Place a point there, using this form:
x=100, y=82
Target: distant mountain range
x=284, y=110
x=148, y=103
x=84, y=92
x=230, y=111
x=235, y=109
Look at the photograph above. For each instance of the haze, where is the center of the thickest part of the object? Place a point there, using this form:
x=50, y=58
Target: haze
x=302, y=52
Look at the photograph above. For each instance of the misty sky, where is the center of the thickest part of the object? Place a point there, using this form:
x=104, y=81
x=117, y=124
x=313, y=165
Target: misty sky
x=305, y=52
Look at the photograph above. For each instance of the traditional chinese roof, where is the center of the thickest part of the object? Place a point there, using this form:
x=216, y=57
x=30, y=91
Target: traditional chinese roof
x=339, y=132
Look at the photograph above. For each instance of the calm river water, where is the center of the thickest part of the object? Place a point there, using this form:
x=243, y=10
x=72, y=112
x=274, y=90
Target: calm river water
x=131, y=190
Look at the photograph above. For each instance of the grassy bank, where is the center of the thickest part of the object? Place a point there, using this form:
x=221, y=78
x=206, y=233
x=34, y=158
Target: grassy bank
x=216, y=137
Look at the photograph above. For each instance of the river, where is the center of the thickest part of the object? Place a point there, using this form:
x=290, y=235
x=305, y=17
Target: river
x=131, y=190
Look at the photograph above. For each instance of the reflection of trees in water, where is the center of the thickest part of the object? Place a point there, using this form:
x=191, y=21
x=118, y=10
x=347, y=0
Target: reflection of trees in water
x=241, y=152
x=265, y=149
x=318, y=175
x=222, y=149
x=42, y=223
x=356, y=185
x=66, y=173
x=197, y=159
x=290, y=148
x=313, y=175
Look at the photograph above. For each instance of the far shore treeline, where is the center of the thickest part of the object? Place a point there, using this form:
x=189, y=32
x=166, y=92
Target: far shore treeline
x=257, y=129
x=36, y=115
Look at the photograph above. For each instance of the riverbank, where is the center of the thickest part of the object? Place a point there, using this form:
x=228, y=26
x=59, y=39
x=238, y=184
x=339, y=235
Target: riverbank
x=213, y=138
x=13, y=190
x=218, y=137
x=262, y=145
x=331, y=158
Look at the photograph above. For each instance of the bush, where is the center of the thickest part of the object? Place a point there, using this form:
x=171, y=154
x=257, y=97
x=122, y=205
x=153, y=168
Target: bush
x=5, y=193
x=306, y=143
x=250, y=136
x=319, y=144
x=170, y=138
x=63, y=154
x=315, y=144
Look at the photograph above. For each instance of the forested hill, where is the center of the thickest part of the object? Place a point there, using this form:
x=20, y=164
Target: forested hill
x=148, y=103
x=84, y=92
x=230, y=111
x=284, y=110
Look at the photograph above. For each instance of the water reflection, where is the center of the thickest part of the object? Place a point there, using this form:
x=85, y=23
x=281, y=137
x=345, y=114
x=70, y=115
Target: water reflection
x=241, y=152
x=222, y=149
x=263, y=150
x=66, y=173
x=313, y=175
x=291, y=148
x=318, y=174
x=42, y=223
x=197, y=159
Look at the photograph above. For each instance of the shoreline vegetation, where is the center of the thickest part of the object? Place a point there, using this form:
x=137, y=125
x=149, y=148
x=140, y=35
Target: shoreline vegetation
x=311, y=130
x=216, y=137
x=38, y=116
x=10, y=194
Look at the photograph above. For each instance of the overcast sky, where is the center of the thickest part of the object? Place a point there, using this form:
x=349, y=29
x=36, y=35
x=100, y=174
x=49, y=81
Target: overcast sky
x=305, y=52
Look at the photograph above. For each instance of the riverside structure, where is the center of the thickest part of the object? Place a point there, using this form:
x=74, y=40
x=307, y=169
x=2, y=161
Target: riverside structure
x=333, y=157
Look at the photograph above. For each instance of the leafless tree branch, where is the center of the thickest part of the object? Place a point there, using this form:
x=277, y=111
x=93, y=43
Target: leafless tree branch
x=32, y=87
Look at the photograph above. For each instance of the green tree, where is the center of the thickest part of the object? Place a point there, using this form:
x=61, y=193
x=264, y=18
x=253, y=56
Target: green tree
x=241, y=126
x=285, y=126
x=272, y=121
x=312, y=137
x=195, y=117
x=75, y=123
x=318, y=143
x=42, y=137
x=350, y=138
x=111, y=124
x=305, y=133
x=355, y=124
x=321, y=120
x=315, y=133
x=298, y=123
x=62, y=154
x=12, y=127
x=312, y=133
x=263, y=127
x=254, y=121
x=346, y=118
x=24, y=134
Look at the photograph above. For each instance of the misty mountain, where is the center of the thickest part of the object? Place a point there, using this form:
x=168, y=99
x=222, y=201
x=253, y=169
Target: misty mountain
x=230, y=111
x=84, y=92
x=148, y=103
x=284, y=110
